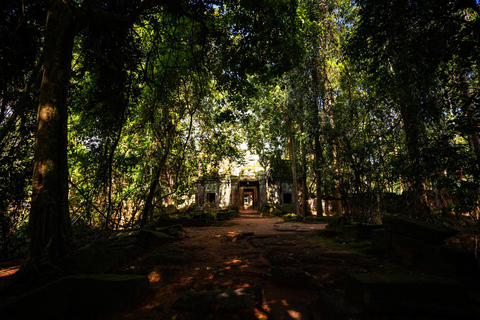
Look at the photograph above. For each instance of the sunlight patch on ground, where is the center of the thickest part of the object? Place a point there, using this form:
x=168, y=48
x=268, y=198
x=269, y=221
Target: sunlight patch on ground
x=154, y=276
x=295, y=314
x=8, y=271
x=234, y=261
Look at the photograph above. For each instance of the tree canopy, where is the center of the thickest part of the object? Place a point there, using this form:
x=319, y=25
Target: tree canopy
x=119, y=107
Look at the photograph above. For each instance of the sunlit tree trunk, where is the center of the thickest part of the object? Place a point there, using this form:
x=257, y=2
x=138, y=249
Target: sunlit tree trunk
x=317, y=144
x=49, y=223
x=294, y=167
x=304, y=182
x=318, y=175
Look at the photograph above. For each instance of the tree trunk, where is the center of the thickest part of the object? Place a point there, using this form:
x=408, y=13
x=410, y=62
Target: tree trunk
x=49, y=224
x=294, y=172
x=304, y=203
x=317, y=144
x=318, y=175
x=412, y=126
x=148, y=208
x=468, y=109
x=157, y=172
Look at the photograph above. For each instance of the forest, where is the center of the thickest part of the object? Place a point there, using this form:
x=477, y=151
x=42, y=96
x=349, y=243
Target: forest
x=110, y=110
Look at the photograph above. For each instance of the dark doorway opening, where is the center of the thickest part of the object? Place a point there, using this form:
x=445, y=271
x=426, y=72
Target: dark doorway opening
x=287, y=198
x=211, y=197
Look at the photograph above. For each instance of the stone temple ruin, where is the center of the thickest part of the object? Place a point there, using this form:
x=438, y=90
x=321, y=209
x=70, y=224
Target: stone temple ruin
x=246, y=186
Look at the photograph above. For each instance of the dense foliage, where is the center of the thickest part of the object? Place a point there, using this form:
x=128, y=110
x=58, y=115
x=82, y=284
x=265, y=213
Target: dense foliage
x=372, y=101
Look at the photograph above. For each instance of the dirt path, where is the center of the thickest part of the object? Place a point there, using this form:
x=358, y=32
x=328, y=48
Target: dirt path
x=292, y=266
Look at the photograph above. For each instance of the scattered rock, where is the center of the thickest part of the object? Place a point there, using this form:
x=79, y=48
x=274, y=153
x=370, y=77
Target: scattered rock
x=175, y=230
x=453, y=263
x=409, y=295
x=77, y=297
x=95, y=257
x=149, y=238
x=421, y=230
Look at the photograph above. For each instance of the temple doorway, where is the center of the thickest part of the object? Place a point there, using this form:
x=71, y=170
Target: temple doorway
x=248, y=195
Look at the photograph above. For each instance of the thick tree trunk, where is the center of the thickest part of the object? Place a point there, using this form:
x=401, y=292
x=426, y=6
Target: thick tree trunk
x=49, y=224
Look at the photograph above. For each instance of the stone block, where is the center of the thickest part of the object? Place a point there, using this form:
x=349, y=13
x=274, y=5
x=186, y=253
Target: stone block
x=453, y=263
x=336, y=221
x=149, y=238
x=410, y=248
x=382, y=239
x=222, y=216
x=351, y=231
x=77, y=297
x=359, y=231
x=409, y=294
x=103, y=293
x=421, y=230
x=174, y=230
x=95, y=257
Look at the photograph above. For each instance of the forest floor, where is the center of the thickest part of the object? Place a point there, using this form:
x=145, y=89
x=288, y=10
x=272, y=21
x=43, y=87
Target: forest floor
x=288, y=260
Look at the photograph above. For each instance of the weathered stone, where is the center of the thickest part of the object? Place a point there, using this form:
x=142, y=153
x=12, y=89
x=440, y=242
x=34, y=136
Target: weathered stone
x=223, y=215
x=409, y=294
x=86, y=295
x=409, y=247
x=149, y=238
x=336, y=221
x=149, y=226
x=161, y=223
x=421, y=230
x=95, y=257
x=382, y=239
x=352, y=231
x=174, y=230
x=118, y=235
x=328, y=233
x=221, y=301
x=277, y=212
x=452, y=263
x=360, y=231
x=196, y=222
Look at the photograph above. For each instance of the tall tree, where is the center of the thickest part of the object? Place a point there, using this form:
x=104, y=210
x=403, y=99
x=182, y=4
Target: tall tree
x=402, y=45
x=241, y=26
x=50, y=231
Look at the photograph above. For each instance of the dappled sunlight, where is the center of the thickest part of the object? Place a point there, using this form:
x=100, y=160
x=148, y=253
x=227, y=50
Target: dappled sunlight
x=295, y=314
x=9, y=271
x=154, y=276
